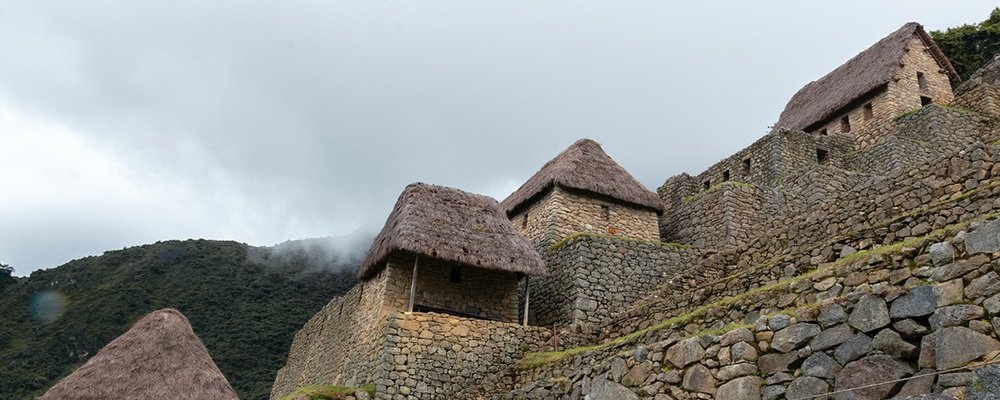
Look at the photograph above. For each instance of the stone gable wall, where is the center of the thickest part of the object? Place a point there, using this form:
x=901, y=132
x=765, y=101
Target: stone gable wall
x=434, y=356
x=591, y=278
x=901, y=95
x=565, y=212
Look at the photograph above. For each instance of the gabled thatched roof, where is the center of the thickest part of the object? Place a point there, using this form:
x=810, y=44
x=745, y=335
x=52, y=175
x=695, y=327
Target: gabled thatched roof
x=583, y=166
x=865, y=74
x=160, y=357
x=455, y=226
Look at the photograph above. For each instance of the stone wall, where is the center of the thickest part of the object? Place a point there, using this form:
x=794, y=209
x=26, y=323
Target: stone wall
x=725, y=216
x=435, y=356
x=727, y=212
x=728, y=222
x=887, y=209
x=591, y=278
x=918, y=312
x=765, y=162
x=339, y=345
x=563, y=212
x=480, y=293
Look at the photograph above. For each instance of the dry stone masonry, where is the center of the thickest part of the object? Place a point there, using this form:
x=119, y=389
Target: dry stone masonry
x=851, y=253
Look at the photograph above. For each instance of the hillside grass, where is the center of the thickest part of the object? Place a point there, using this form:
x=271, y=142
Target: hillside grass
x=328, y=392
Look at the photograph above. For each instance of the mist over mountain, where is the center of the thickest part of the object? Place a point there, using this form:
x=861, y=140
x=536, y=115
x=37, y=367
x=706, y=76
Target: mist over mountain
x=245, y=302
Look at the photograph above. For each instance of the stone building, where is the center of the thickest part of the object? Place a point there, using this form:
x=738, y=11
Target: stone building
x=442, y=276
x=582, y=190
x=447, y=251
x=900, y=73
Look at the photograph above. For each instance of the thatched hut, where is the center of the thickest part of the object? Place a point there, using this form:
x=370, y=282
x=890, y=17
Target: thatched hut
x=899, y=73
x=583, y=190
x=160, y=357
x=449, y=251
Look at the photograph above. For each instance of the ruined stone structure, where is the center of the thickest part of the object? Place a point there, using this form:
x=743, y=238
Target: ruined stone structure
x=815, y=263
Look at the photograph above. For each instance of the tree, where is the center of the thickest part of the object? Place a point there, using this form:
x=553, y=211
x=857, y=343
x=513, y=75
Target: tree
x=5, y=275
x=971, y=46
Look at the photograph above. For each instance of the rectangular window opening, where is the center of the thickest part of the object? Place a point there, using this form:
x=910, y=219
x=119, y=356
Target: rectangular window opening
x=869, y=113
x=746, y=167
x=845, y=124
x=821, y=156
x=725, y=176
x=524, y=222
x=456, y=275
x=921, y=80
x=606, y=212
x=707, y=184
x=924, y=100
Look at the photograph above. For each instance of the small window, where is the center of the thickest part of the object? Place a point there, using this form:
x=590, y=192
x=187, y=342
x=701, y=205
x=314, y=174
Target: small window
x=456, y=275
x=845, y=124
x=707, y=184
x=606, y=212
x=821, y=156
x=869, y=113
x=924, y=100
x=725, y=176
x=921, y=81
x=524, y=222
x=746, y=167
x=824, y=132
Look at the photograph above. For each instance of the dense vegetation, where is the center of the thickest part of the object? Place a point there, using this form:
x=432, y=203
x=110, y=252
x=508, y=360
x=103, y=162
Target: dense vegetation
x=971, y=46
x=244, y=303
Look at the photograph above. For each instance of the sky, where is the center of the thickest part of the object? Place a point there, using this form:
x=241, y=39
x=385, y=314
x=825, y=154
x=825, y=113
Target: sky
x=128, y=122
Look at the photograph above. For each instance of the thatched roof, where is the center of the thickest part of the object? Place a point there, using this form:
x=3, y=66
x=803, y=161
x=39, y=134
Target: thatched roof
x=160, y=357
x=583, y=166
x=865, y=74
x=455, y=226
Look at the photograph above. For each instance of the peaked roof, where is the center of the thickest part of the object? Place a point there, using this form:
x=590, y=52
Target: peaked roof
x=865, y=73
x=451, y=225
x=584, y=166
x=160, y=357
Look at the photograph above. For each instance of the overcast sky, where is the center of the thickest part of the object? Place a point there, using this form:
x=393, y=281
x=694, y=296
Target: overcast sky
x=128, y=122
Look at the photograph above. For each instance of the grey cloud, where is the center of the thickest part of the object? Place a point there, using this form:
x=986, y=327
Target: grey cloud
x=314, y=115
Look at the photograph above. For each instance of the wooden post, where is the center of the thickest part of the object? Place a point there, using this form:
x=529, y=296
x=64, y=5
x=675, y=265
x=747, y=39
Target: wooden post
x=413, y=284
x=527, y=299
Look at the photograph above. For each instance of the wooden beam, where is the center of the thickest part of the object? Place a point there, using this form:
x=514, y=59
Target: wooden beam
x=413, y=284
x=527, y=298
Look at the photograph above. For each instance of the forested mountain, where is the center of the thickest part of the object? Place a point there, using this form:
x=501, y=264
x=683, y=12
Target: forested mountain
x=246, y=303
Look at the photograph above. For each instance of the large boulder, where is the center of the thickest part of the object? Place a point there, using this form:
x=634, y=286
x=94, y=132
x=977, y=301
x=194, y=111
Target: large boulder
x=955, y=346
x=860, y=374
x=870, y=313
x=684, y=353
x=794, y=336
x=745, y=388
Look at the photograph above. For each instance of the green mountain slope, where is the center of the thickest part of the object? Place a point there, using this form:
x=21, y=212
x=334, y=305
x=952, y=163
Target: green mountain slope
x=245, y=303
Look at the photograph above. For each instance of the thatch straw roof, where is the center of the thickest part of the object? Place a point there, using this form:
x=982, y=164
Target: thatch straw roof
x=583, y=166
x=455, y=226
x=159, y=358
x=865, y=74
